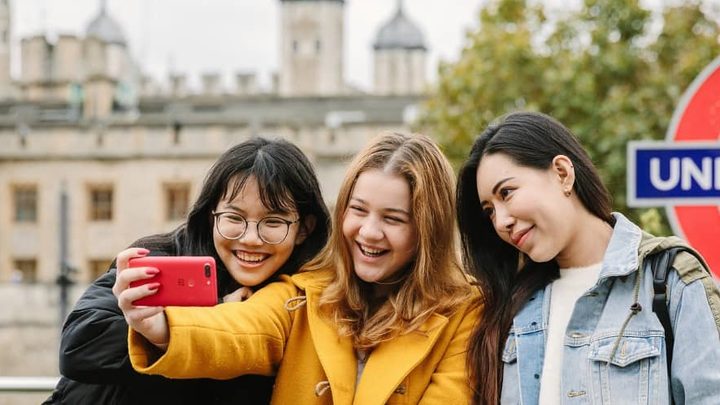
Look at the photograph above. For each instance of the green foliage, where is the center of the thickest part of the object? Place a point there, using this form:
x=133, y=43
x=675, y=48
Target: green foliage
x=611, y=71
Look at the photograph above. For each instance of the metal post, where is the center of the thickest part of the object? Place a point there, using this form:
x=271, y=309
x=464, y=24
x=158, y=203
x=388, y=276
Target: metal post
x=64, y=280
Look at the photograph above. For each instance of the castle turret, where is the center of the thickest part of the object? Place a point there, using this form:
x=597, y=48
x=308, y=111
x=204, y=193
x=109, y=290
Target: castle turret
x=109, y=69
x=311, y=47
x=400, y=55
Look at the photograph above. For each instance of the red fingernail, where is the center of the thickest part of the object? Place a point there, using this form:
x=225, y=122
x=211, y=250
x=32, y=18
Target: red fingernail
x=142, y=251
x=152, y=271
x=153, y=286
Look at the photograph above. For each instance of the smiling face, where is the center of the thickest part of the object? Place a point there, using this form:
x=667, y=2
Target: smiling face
x=378, y=226
x=528, y=207
x=249, y=260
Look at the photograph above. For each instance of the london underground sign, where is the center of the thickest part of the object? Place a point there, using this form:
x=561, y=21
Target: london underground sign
x=686, y=173
x=683, y=173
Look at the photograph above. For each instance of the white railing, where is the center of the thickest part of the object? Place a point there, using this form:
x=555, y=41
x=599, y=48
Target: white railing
x=28, y=384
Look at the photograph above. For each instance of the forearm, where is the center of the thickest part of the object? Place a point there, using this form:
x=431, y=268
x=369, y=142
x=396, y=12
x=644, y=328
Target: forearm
x=221, y=342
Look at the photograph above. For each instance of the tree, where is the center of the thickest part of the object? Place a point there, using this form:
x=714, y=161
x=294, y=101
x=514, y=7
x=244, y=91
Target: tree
x=612, y=71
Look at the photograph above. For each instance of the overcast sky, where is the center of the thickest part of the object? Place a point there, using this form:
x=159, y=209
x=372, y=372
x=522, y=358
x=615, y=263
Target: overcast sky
x=226, y=36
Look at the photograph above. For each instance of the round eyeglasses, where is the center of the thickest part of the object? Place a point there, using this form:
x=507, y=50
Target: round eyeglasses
x=271, y=230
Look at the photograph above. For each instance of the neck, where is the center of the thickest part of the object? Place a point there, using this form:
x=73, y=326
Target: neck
x=588, y=244
x=384, y=288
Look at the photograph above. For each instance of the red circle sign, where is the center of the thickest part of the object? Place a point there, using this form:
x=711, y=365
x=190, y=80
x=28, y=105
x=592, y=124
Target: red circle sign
x=697, y=118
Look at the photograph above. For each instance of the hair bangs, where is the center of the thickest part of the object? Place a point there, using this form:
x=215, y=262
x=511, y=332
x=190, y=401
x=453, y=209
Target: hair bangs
x=272, y=185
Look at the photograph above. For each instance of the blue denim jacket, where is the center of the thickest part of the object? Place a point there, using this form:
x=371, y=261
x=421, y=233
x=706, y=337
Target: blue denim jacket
x=612, y=356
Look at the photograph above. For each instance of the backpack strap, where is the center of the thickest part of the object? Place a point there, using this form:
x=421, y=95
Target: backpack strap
x=659, y=264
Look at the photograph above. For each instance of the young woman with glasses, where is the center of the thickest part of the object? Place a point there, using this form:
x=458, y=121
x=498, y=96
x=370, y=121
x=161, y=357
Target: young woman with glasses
x=260, y=214
x=381, y=316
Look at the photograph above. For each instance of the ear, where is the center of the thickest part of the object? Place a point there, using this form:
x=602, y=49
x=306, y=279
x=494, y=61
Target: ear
x=563, y=167
x=306, y=228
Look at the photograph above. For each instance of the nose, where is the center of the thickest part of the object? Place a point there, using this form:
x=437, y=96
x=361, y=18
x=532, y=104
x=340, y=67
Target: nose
x=251, y=235
x=503, y=221
x=370, y=229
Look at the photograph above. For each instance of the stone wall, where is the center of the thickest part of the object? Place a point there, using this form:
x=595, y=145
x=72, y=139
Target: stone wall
x=30, y=334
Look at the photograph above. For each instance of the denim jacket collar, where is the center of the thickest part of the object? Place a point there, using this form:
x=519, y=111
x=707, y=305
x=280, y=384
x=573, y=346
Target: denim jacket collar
x=621, y=258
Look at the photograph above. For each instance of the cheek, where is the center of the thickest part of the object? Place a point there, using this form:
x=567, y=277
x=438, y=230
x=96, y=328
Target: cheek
x=504, y=236
x=286, y=248
x=218, y=240
x=406, y=239
x=349, y=227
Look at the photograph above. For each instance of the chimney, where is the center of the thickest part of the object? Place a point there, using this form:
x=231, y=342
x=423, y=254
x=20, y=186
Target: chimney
x=178, y=85
x=211, y=84
x=246, y=83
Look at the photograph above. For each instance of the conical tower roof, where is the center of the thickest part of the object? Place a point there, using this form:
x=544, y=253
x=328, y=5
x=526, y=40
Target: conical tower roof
x=399, y=33
x=105, y=27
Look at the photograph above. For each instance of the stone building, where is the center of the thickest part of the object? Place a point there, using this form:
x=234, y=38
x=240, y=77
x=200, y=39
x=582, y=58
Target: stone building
x=129, y=156
x=87, y=141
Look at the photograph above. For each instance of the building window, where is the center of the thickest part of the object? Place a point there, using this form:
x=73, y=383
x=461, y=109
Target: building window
x=295, y=46
x=101, y=203
x=24, y=271
x=26, y=203
x=177, y=200
x=318, y=46
x=98, y=267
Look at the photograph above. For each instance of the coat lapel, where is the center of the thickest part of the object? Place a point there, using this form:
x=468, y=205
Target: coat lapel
x=336, y=353
x=392, y=361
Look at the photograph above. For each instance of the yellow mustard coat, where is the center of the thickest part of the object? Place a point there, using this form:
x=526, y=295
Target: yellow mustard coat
x=279, y=331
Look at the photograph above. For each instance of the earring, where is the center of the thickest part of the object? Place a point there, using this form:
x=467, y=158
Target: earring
x=567, y=193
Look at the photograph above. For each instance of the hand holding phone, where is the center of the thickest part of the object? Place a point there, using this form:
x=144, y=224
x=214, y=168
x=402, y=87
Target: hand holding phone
x=184, y=280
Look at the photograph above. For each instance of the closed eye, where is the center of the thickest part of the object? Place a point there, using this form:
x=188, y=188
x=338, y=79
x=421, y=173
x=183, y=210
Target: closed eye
x=395, y=220
x=357, y=209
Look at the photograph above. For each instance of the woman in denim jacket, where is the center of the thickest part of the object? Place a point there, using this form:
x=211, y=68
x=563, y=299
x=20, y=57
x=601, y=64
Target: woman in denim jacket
x=568, y=309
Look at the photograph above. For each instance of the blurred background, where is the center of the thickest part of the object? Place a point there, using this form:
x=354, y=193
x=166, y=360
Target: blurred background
x=111, y=112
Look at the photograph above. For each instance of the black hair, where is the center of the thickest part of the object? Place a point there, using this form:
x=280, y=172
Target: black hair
x=532, y=140
x=286, y=181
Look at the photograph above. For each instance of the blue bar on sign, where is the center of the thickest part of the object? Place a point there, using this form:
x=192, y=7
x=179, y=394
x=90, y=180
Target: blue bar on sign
x=667, y=173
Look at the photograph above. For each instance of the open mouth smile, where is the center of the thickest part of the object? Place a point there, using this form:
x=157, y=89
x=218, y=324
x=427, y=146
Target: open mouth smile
x=250, y=257
x=370, y=251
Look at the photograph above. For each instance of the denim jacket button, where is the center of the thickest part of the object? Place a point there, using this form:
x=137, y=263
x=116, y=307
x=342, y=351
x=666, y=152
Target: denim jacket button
x=573, y=393
x=577, y=335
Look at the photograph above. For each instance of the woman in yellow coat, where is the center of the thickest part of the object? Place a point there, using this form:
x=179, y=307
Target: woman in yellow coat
x=382, y=315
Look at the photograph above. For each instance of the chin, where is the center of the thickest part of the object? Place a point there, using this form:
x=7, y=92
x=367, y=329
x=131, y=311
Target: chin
x=541, y=257
x=368, y=278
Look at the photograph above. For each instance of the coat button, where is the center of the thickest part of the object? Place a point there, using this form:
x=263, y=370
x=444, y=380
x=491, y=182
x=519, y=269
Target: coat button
x=577, y=335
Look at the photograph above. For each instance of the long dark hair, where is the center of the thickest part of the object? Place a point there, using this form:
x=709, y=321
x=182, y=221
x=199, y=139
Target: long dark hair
x=286, y=181
x=507, y=277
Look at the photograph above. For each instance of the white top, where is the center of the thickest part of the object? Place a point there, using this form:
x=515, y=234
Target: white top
x=565, y=291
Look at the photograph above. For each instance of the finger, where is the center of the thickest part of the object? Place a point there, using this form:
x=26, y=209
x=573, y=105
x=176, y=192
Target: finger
x=241, y=294
x=142, y=313
x=123, y=258
x=132, y=294
x=123, y=280
x=245, y=292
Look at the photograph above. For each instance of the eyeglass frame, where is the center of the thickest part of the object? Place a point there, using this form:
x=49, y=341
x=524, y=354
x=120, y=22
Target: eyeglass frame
x=216, y=214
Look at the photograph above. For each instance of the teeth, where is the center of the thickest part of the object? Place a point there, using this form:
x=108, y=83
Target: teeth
x=251, y=257
x=371, y=252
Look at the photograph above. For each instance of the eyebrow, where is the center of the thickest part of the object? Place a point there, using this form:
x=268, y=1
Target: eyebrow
x=398, y=210
x=500, y=183
x=243, y=212
x=496, y=187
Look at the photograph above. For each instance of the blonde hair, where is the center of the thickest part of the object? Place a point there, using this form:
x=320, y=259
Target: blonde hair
x=434, y=281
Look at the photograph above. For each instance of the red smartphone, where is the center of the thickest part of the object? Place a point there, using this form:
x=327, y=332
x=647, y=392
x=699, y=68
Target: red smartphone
x=188, y=281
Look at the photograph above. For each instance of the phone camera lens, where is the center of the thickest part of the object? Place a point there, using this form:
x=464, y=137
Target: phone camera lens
x=207, y=270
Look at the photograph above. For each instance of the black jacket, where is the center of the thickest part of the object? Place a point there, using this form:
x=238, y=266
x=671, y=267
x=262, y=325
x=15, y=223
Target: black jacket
x=96, y=369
